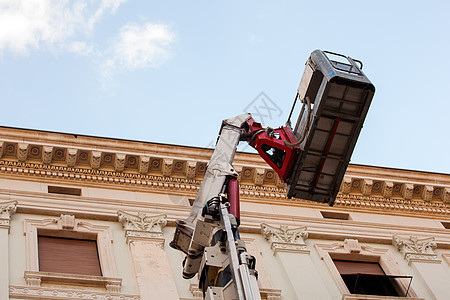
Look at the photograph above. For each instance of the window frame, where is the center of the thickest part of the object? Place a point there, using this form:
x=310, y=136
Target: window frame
x=68, y=227
x=351, y=250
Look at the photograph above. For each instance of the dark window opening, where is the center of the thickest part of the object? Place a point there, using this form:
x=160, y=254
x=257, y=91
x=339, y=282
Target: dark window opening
x=367, y=278
x=70, y=256
x=275, y=155
x=446, y=225
x=64, y=190
x=335, y=215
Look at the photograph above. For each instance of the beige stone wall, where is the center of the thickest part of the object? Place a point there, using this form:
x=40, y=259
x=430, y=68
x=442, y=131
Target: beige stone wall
x=132, y=192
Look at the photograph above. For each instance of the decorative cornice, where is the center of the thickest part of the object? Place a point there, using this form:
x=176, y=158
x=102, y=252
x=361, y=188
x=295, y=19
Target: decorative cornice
x=7, y=209
x=190, y=187
x=285, y=239
x=142, y=226
x=391, y=204
x=180, y=169
x=28, y=292
x=415, y=248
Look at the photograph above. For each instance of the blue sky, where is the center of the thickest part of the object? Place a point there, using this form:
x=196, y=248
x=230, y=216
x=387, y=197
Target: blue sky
x=170, y=71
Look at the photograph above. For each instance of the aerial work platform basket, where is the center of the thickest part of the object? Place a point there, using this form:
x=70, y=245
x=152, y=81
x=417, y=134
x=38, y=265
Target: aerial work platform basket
x=336, y=96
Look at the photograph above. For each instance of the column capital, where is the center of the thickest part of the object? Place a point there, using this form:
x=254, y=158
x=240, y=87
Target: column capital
x=141, y=226
x=415, y=248
x=7, y=209
x=284, y=239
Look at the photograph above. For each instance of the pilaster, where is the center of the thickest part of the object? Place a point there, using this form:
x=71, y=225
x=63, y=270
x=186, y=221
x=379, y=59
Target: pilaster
x=6, y=211
x=290, y=249
x=420, y=255
x=150, y=263
x=413, y=248
x=285, y=239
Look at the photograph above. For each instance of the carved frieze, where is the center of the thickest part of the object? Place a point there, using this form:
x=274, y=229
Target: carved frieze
x=366, y=187
x=284, y=239
x=416, y=248
x=119, y=162
x=446, y=195
x=386, y=189
x=7, y=209
x=95, y=159
x=22, y=151
x=427, y=193
x=190, y=169
x=258, y=176
x=71, y=158
x=142, y=226
x=256, y=181
x=346, y=185
x=47, y=154
x=167, y=167
x=2, y=148
x=407, y=190
x=144, y=164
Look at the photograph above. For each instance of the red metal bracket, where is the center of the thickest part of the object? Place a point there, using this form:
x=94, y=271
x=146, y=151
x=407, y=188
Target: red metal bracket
x=270, y=145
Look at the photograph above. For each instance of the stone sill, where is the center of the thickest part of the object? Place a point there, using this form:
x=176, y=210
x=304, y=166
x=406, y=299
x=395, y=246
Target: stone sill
x=111, y=284
x=45, y=293
x=371, y=297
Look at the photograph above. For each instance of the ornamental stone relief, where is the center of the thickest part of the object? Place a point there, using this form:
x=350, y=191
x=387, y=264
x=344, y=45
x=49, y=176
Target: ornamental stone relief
x=119, y=162
x=7, y=209
x=285, y=239
x=47, y=153
x=142, y=226
x=22, y=151
x=416, y=248
x=346, y=185
x=71, y=157
x=191, y=166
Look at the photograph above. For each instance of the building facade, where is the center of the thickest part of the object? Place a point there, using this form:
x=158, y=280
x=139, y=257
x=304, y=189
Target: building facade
x=91, y=218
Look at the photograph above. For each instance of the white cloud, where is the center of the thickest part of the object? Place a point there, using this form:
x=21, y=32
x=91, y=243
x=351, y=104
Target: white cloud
x=81, y=48
x=142, y=46
x=31, y=24
x=137, y=47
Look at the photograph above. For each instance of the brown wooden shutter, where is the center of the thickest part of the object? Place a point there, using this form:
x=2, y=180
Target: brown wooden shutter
x=72, y=256
x=354, y=267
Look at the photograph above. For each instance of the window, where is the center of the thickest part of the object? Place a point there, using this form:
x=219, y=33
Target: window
x=361, y=269
x=63, y=190
x=72, y=256
x=366, y=278
x=335, y=215
x=446, y=225
x=69, y=251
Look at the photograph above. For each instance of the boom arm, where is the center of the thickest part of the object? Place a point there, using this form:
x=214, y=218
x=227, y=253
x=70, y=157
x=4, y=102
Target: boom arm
x=209, y=236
